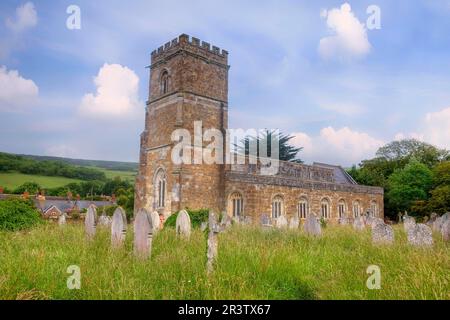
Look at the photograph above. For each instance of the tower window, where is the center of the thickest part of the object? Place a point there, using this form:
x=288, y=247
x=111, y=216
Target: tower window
x=160, y=189
x=164, y=82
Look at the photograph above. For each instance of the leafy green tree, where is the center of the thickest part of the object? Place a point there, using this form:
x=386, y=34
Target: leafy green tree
x=409, y=184
x=31, y=187
x=287, y=152
x=440, y=200
x=17, y=214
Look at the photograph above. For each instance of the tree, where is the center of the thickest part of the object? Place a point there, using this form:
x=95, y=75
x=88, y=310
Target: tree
x=17, y=214
x=408, y=185
x=440, y=200
x=31, y=187
x=287, y=152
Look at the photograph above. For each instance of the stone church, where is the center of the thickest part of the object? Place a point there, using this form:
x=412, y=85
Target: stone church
x=188, y=83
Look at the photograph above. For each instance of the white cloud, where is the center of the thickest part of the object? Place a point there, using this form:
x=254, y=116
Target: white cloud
x=26, y=17
x=116, y=95
x=350, y=35
x=347, y=109
x=16, y=92
x=342, y=147
x=437, y=128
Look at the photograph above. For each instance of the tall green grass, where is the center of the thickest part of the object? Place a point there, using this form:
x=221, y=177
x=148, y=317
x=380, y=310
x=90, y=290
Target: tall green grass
x=252, y=264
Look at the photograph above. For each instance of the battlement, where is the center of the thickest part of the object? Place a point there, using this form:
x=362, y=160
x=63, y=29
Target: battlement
x=192, y=45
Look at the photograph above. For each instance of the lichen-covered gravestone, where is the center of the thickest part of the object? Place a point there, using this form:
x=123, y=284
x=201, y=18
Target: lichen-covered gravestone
x=294, y=223
x=382, y=233
x=420, y=235
x=211, y=253
x=156, y=222
x=281, y=222
x=445, y=230
x=183, y=224
x=408, y=223
x=312, y=226
x=358, y=224
x=62, y=219
x=143, y=232
x=118, y=228
x=376, y=221
x=90, y=221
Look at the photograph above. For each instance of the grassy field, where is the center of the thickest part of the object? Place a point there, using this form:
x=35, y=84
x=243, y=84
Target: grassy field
x=124, y=175
x=12, y=180
x=252, y=264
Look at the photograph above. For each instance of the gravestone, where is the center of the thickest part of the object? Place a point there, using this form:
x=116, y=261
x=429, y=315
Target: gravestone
x=382, y=233
x=90, y=221
x=420, y=235
x=247, y=220
x=104, y=220
x=62, y=219
x=358, y=224
x=211, y=253
x=183, y=224
x=265, y=220
x=281, y=222
x=143, y=233
x=445, y=230
x=226, y=221
x=408, y=223
x=156, y=222
x=294, y=223
x=343, y=221
x=118, y=228
x=376, y=221
x=312, y=226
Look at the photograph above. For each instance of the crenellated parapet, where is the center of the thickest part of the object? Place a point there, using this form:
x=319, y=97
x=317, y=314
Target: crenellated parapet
x=192, y=45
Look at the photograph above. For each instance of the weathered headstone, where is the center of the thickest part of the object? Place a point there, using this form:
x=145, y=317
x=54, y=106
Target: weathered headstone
x=343, y=221
x=90, y=221
x=358, y=224
x=226, y=221
x=294, y=222
x=376, y=221
x=382, y=233
x=420, y=235
x=408, y=223
x=445, y=230
x=265, y=220
x=62, y=219
x=156, y=222
x=312, y=225
x=104, y=220
x=118, y=227
x=281, y=222
x=143, y=232
x=211, y=254
x=183, y=224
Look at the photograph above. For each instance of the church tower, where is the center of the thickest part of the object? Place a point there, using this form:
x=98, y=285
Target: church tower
x=188, y=84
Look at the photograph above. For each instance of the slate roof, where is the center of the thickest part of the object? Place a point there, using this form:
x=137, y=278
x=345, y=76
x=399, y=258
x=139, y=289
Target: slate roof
x=340, y=175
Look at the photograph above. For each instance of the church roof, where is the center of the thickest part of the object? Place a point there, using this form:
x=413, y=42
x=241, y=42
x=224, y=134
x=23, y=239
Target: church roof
x=340, y=175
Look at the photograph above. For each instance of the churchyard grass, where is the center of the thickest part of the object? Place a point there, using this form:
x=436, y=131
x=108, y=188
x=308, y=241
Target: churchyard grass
x=252, y=264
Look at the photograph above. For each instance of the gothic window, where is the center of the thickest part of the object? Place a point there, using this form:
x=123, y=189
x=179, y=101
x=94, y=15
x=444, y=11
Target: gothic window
x=160, y=188
x=277, y=207
x=356, y=208
x=374, y=208
x=236, y=204
x=341, y=209
x=325, y=208
x=302, y=208
x=164, y=82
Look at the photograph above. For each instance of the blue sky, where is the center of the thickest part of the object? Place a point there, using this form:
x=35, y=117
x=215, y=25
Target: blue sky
x=310, y=68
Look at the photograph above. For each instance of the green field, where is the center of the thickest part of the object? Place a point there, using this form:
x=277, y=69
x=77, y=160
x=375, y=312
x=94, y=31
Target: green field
x=12, y=180
x=111, y=174
x=252, y=264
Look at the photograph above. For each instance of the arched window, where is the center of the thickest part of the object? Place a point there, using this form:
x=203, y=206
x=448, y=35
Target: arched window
x=164, y=82
x=277, y=207
x=374, y=208
x=357, y=208
x=236, y=204
x=160, y=189
x=325, y=208
x=302, y=208
x=341, y=209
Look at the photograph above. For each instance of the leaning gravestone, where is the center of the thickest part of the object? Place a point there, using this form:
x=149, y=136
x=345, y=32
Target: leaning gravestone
x=382, y=233
x=156, y=222
x=118, y=228
x=62, y=219
x=214, y=230
x=90, y=221
x=183, y=224
x=445, y=231
x=281, y=222
x=143, y=232
x=408, y=223
x=294, y=223
x=312, y=225
x=358, y=224
x=420, y=235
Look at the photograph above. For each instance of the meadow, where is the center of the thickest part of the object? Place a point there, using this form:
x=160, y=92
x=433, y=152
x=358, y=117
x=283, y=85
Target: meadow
x=252, y=264
x=129, y=176
x=12, y=180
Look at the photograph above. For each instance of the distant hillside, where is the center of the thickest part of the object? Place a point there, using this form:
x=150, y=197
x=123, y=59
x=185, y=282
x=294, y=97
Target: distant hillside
x=110, y=165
